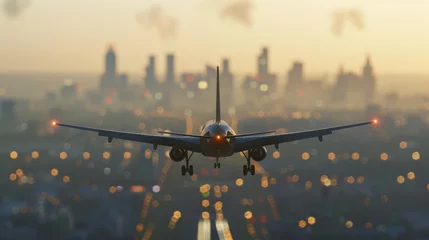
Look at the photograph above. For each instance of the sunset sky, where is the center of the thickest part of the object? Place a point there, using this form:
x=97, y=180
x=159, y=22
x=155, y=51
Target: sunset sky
x=72, y=35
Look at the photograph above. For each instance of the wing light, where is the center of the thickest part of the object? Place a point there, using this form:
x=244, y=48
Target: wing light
x=375, y=121
x=54, y=123
x=218, y=137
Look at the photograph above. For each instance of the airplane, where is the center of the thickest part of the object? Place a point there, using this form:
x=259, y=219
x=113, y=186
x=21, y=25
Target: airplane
x=216, y=139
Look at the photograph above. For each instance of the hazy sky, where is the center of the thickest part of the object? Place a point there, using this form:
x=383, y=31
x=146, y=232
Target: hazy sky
x=72, y=35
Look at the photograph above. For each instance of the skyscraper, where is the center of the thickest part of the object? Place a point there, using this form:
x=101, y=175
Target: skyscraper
x=296, y=74
x=109, y=78
x=369, y=80
x=210, y=73
x=150, y=78
x=110, y=62
x=225, y=64
x=263, y=63
x=295, y=77
x=170, y=78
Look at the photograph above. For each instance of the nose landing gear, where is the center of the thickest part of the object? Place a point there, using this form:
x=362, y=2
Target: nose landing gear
x=217, y=163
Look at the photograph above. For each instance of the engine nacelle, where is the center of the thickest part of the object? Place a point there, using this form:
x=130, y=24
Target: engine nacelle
x=177, y=154
x=258, y=154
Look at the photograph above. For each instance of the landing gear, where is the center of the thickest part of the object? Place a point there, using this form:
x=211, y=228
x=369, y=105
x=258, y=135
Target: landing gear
x=248, y=168
x=188, y=168
x=217, y=163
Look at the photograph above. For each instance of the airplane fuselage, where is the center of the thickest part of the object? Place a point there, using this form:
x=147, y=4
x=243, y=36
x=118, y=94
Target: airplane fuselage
x=217, y=145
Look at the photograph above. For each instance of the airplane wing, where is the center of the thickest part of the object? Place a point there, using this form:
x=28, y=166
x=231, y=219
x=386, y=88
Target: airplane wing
x=188, y=143
x=248, y=142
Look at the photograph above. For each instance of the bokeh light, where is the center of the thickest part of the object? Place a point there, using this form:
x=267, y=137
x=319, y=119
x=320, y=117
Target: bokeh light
x=13, y=155
x=66, y=179
x=400, y=179
x=349, y=224
x=248, y=215
x=239, y=182
x=416, y=156
x=86, y=155
x=311, y=220
x=35, y=154
x=302, y=224
x=63, y=155
x=106, y=155
x=411, y=175
x=54, y=172
x=127, y=155
x=205, y=215
x=305, y=156
x=156, y=188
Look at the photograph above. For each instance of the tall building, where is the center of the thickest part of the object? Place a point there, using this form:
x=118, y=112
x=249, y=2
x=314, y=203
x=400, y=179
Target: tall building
x=110, y=79
x=341, y=86
x=263, y=63
x=295, y=77
x=150, y=77
x=170, y=76
x=227, y=84
x=110, y=62
x=225, y=66
x=211, y=73
x=369, y=80
x=296, y=74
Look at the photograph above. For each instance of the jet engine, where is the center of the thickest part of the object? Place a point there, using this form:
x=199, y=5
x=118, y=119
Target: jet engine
x=177, y=154
x=258, y=154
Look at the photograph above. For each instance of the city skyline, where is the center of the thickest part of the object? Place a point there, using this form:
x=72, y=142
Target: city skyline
x=393, y=36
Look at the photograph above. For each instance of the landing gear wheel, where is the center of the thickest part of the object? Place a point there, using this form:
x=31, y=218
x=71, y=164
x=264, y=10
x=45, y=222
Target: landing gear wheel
x=188, y=168
x=216, y=165
x=184, y=170
x=191, y=170
x=245, y=170
x=252, y=169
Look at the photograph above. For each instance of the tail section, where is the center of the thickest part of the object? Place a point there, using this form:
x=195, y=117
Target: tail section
x=217, y=97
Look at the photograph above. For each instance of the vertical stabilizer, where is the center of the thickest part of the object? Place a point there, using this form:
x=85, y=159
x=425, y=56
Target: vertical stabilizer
x=217, y=97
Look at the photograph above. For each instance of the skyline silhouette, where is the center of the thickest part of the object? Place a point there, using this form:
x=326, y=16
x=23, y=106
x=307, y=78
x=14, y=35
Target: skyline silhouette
x=393, y=35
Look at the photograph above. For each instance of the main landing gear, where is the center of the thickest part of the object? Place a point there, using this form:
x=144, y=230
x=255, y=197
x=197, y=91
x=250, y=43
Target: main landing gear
x=188, y=168
x=248, y=168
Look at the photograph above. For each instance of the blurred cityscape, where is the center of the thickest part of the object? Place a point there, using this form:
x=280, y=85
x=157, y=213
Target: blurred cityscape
x=365, y=183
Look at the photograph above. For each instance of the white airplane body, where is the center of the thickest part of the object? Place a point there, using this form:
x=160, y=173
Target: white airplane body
x=217, y=139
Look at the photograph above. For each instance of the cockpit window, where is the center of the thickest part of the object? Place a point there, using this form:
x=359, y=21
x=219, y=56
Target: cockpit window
x=207, y=134
x=229, y=133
